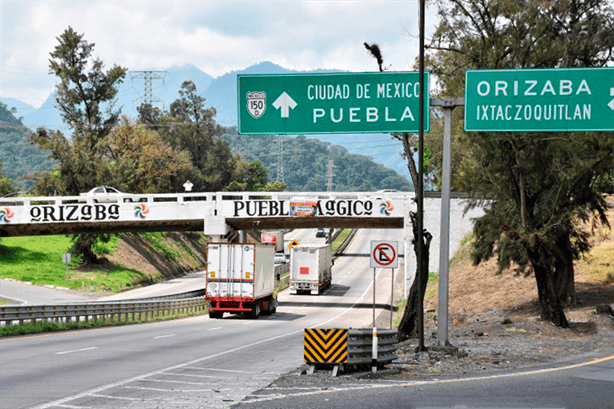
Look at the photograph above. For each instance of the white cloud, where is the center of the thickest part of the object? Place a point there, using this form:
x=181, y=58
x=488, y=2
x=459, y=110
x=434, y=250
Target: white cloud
x=216, y=36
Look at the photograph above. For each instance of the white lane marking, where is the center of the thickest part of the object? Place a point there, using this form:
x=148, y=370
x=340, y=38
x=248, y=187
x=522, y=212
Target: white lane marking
x=351, y=306
x=165, y=336
x=97, y=395
x=131, y=387
x=249, y=323
x=18, y=300
x=75, y=350
x=230, y=370
x=214, y=329
x=191, y=363
x=437, y=381
x=171, y=381
x=194, y=375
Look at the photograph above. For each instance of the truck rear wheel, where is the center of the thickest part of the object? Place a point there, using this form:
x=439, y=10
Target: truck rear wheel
x=216, y=314
x=255, y=312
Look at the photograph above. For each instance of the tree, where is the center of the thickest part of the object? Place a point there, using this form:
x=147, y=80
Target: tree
x=85, y=97
x=541, y=185
x=252, y=177
x=7, y=186
x=190, y=127
x=141, y=161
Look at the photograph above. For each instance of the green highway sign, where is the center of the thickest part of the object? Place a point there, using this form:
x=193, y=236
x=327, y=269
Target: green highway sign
x=331, y=103
x=546, y=100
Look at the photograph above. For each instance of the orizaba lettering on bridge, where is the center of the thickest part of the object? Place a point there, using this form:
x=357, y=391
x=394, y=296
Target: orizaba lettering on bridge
x=281, y=208
x=74, y=213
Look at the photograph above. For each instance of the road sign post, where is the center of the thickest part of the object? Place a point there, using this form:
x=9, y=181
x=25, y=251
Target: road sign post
x=330, y=103
x=540, y=100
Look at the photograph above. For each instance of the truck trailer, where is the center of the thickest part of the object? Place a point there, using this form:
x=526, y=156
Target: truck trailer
x=310, y=268
x=240, y=279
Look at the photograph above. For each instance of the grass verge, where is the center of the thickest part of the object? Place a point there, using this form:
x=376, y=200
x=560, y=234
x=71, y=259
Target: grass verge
x=340, y=239
x=38, y=260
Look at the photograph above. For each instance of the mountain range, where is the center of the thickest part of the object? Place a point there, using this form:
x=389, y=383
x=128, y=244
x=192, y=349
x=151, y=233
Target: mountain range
x=220, y=93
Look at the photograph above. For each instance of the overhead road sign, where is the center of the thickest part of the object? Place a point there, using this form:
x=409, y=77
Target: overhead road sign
x=384, y=254
x=331, y=103
x=540, y=100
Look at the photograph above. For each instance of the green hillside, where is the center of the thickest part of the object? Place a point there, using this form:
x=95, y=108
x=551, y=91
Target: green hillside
x=18, y=156
x=306, y=162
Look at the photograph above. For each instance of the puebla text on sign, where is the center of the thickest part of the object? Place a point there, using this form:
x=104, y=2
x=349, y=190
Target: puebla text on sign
x=579, y=99
x=330, y=103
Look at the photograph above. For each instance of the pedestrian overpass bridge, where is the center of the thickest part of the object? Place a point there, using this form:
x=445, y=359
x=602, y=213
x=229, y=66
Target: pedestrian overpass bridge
x=215, y=214
x=222, y=214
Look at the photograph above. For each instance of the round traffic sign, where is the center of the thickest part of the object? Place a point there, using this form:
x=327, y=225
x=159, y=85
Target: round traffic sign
x=384, y=254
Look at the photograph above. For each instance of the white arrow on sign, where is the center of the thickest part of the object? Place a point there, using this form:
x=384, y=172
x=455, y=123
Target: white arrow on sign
x=611, y=104
x=285, y=102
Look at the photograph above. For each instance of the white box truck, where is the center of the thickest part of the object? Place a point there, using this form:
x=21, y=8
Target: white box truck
x=240, y=279
x=310, y=268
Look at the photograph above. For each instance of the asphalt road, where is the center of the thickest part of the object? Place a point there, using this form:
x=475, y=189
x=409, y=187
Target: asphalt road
x=574, y=386
x=26, y=293
x=192, y=362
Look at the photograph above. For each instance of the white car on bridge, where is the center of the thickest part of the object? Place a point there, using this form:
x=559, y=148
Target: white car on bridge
x=106, y=194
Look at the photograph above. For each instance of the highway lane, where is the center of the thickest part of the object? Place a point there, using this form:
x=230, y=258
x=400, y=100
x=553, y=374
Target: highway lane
x=580, y=385
x=194, y=361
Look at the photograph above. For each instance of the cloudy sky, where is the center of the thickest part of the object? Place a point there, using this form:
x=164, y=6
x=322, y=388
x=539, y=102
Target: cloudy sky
x=216, y=36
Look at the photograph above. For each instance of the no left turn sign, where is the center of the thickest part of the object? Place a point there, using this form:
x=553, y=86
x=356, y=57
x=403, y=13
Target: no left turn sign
x=384, y=254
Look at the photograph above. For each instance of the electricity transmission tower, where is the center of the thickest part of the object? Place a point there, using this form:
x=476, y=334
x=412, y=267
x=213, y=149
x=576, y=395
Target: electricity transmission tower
x=329, y=176
x=148, y=78
x=280, y=159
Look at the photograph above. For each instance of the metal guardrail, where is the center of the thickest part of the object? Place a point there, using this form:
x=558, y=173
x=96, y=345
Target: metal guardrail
x=115, y=311
x=360, y=346
x=188, y=294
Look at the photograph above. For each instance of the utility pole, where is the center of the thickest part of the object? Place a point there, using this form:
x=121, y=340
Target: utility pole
x=148, y=77
x=420, y=187
x=329, y=175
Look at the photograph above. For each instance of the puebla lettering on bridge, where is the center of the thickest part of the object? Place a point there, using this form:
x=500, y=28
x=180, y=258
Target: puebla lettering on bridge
x=280, y=208
x=74, y=213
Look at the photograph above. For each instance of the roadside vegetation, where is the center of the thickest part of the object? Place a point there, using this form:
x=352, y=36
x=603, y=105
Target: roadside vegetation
x=340, y=239
x=485, y=287
x=38, y=260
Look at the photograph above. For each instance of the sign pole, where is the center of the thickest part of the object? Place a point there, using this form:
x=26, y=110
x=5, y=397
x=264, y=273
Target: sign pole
x=391, y=298
x=374, y=299
x=444, y=244
x=448, y=105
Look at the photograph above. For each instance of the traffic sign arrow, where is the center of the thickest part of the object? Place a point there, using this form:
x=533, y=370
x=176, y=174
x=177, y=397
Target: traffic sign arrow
x=611, y=104
x=285, y=102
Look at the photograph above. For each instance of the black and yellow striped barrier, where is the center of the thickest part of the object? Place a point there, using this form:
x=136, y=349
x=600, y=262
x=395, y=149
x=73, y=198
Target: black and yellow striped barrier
x=326, y=346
